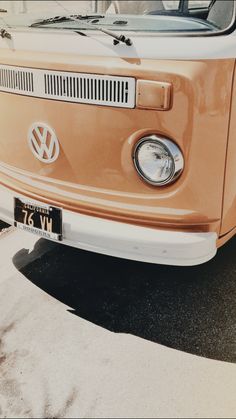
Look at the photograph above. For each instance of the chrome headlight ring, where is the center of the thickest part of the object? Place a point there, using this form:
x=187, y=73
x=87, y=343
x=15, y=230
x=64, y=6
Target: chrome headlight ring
x=158, y=160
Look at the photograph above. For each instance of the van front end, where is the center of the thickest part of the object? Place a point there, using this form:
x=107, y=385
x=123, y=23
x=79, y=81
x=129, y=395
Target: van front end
x=115, y=148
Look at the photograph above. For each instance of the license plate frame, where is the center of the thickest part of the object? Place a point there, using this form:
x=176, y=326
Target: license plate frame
x=38, y=218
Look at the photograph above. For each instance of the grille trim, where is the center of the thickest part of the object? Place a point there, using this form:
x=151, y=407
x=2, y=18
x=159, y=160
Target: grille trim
x=69, y=86
x=20, y=80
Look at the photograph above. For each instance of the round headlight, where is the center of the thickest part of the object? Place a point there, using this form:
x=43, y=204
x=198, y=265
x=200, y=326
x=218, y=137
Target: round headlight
x=158, y=160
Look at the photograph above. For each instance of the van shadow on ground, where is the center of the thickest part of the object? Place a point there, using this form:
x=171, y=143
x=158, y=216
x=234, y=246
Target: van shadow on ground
x=188, y=309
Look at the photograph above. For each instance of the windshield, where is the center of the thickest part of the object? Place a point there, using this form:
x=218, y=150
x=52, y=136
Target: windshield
x=181, y=16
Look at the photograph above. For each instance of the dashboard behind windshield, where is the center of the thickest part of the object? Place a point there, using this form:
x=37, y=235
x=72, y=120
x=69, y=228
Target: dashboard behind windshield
x=211, y=16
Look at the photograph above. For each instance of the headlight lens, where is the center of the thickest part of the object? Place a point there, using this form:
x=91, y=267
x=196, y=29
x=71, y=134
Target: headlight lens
x=158, y=160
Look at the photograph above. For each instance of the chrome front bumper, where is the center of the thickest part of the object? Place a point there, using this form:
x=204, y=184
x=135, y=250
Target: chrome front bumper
x=125, y=240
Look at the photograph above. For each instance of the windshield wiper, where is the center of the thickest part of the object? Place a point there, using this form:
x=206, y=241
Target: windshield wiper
x=84, y=18
x=5, y=34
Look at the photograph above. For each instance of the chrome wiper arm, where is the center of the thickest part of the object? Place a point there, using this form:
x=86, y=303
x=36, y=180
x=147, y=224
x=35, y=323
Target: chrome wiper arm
x=117, y=38
x=84, y=18
x=5, y=34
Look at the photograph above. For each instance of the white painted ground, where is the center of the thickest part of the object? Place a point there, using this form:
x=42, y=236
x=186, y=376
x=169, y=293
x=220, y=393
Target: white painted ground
x=55, y=364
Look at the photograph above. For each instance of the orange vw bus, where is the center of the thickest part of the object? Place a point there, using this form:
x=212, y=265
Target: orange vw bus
x=118, y=125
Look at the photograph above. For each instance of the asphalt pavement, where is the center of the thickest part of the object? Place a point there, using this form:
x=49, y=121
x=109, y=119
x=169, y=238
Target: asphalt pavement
x=87, y=335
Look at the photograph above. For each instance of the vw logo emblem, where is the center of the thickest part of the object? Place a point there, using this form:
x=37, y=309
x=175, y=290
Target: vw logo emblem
x=43, y=142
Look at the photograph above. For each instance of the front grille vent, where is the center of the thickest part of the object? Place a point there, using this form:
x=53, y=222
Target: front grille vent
x=70, y=87
x=17, y=80
x=88, y=89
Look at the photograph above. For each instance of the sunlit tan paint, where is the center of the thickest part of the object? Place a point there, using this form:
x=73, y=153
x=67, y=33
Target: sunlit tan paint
x=229, y=203
x=95, y=173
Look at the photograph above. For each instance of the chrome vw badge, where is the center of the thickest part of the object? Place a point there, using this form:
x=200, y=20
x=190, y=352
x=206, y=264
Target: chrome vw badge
x=43, y=142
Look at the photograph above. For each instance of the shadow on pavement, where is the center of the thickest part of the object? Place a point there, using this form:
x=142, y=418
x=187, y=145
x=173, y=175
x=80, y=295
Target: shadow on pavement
x=3, y=225
x=189, y=309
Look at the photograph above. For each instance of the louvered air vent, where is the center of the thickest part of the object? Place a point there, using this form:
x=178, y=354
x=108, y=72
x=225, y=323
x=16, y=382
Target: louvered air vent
x=69, y=87
x=89, y=89
x=21, y=80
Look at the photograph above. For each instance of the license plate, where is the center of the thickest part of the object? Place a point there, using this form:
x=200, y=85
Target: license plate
x=45, y=221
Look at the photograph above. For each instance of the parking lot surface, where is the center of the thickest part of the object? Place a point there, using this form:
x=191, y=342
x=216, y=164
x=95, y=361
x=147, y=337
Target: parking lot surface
x=85, y=335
